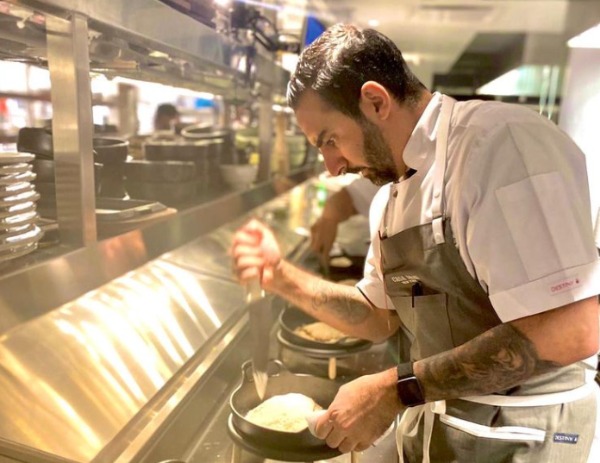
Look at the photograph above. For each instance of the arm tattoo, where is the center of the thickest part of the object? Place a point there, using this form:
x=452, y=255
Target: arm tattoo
x=341, y=302
x=496, y=360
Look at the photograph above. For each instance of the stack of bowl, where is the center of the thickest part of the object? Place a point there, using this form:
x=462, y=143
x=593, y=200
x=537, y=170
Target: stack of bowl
x=19, y=232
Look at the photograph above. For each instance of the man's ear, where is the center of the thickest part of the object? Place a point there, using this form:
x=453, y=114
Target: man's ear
x=375, y=101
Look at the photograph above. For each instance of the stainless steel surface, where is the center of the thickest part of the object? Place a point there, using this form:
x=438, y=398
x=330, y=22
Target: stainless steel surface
x=212, y=443
x=182, y=390
x=49, y=278
x=259, y=311
x=73, y=379
x=68, y=62
x=286, y=214
x=199, y=56
x=265, y=132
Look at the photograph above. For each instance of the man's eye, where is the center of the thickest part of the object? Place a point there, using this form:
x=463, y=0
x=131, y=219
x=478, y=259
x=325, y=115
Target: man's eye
x=330, y=142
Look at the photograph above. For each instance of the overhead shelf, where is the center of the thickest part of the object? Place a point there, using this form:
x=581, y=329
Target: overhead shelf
x=148, y=40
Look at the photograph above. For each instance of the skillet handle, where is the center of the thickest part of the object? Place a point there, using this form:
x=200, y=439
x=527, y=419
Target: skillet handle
x=274, y=368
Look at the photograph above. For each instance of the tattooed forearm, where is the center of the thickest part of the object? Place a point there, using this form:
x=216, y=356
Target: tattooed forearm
x=494, y=361
x=340, y=301
x=343, y=307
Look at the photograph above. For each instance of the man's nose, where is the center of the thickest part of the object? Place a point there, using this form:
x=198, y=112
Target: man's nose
x=334, y=164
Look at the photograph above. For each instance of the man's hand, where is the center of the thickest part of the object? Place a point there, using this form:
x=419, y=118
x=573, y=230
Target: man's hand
x=338, y=208
x=360, y=413
x=322, y=236
x=255, y=252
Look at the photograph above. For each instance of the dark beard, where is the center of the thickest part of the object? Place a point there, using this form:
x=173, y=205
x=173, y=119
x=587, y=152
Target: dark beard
x=378, y=155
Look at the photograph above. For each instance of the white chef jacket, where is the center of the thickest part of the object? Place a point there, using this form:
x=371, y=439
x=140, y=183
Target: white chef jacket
x=517, y=195
x=362, y=191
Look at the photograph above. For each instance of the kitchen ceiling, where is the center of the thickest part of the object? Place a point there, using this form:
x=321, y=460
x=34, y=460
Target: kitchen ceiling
x=459, y=45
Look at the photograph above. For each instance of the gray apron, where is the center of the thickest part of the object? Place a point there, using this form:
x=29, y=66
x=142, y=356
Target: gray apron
x=550, y=418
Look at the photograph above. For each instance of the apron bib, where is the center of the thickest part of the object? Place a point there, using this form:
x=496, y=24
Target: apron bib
x=441, y=307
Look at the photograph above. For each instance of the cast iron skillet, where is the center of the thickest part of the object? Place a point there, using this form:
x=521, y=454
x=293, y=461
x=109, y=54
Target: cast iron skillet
x=291, y=318
x=281, y=381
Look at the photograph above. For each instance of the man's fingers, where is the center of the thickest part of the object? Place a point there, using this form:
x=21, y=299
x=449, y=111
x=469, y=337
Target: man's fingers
x=361, y=447
x=323, y=427
x=335, y=438
x=347, y=446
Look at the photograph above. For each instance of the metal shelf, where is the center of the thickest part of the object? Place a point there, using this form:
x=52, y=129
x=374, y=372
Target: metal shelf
x=44, y=281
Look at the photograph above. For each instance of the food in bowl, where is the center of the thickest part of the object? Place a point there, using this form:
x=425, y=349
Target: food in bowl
x=320, y=332
x=340, y=262
x=286, y=412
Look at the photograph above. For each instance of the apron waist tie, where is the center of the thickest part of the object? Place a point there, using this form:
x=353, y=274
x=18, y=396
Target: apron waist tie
x=411, y=418
x=537, y=400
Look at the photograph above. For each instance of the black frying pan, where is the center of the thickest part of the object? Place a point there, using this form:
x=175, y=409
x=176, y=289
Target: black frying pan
x=281, y=381
x=291, y=318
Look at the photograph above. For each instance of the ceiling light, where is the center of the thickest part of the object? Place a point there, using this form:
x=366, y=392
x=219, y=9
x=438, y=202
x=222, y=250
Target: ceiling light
x=373, y=22
x=587, y=39
x=413, y=58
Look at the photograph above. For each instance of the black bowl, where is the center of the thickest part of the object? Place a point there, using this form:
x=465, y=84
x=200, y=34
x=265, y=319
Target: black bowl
x=110, y=150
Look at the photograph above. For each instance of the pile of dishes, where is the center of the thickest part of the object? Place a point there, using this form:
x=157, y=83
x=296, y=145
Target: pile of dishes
x=19, y=232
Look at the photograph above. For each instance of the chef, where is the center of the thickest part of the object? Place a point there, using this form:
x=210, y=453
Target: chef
x=166, y=117
x=482, y=253
x=350, y=200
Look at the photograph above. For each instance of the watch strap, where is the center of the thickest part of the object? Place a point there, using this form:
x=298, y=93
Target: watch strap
x=408, y=386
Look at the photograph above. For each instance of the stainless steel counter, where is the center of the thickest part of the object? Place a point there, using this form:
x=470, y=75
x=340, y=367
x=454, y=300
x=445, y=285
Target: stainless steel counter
x=98, y=378
x=197, y=432
x=72, y=380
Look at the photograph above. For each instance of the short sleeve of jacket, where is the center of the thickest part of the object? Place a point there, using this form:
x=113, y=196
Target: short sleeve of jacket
x=523, y=211
x=371, y=285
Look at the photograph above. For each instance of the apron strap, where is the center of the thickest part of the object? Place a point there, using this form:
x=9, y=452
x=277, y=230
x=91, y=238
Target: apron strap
x=409, y=426
x=441, y=150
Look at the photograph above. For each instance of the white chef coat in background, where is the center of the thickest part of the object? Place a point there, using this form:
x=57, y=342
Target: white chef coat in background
x=362, y=191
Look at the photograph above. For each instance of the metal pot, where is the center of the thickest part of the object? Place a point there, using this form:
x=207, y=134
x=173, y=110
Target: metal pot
x=291, y=318
x=281, y=381
x=202, y=132
x=160, y=171
x=171, y=194
x=36, y=141
x=110, y=150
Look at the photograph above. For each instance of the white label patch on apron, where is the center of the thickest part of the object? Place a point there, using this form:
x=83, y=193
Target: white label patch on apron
x=563, y=438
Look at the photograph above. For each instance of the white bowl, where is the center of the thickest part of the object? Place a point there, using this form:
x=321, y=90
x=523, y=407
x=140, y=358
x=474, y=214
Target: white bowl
x=239, y=176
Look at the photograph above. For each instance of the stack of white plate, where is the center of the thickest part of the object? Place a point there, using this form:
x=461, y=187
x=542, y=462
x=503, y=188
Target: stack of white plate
x=19, y=233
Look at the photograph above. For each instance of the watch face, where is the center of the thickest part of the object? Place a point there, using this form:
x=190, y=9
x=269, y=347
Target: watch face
x=408, y=386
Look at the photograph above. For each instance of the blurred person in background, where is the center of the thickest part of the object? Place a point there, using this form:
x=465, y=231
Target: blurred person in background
x=352, y=199
x=166, y=117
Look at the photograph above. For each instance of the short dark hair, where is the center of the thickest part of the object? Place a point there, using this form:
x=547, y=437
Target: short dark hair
x=342, y=59
x=166, y=110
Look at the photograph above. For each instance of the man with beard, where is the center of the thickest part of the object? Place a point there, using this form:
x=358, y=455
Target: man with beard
x=482, y=244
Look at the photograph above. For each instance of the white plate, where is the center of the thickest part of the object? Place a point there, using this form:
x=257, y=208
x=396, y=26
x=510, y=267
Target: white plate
x=19, y=168
x=19, y=198
x=15, y=158
x=17, y=208
x=11, y=232
x=15, y=189
x=9, y=179
x=17, y=251
x=19, y=220
x=33, y=236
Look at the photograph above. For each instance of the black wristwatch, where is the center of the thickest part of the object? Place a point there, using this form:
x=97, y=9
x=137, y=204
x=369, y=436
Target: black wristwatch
x=408, y=386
